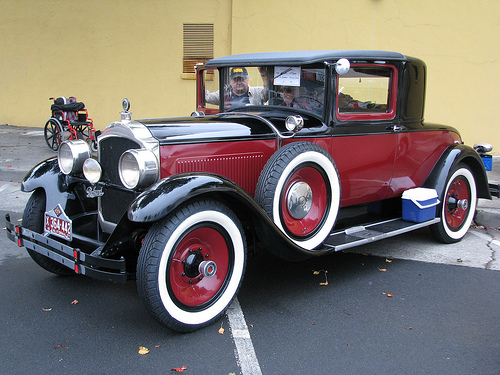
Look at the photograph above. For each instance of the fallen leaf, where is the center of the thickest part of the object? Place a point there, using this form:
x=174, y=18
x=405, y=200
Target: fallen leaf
x=382, y=269
x=221, y=330
x=388, y=295
x=143, y=350
x=60, y=346
x=47, y=309
x=326, y=278
x=74, y=302
x=388, y=260
x=180, y=369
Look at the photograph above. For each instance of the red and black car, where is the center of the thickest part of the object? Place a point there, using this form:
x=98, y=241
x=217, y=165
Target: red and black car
x=297, y=153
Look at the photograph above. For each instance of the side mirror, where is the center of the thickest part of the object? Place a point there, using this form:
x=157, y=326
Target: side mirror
x=342, y=66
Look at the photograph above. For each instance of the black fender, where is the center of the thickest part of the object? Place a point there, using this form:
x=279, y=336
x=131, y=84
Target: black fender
x=48, y=176
x=168, y=194
x=453, y=155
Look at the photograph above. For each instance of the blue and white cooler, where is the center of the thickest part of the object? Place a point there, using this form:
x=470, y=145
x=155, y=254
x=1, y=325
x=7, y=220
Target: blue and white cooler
x=419, y=204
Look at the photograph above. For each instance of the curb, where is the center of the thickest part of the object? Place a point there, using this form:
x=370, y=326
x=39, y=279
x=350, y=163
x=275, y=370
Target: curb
x=488, y=219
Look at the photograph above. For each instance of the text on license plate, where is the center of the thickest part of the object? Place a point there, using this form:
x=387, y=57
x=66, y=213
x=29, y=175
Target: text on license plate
x=59, y=226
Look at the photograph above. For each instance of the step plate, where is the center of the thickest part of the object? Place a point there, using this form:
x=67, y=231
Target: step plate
x=361, y=235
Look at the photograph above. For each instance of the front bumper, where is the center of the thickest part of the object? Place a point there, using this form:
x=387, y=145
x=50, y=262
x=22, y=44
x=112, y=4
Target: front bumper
x=82, y=263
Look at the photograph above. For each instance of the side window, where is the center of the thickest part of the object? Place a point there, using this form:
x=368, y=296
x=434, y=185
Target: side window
x=367, y=92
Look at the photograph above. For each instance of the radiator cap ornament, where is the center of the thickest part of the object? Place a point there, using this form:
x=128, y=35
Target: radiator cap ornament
x=126, y=116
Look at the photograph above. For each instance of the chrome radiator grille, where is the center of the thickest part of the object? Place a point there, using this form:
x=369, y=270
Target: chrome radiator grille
x=115, y=199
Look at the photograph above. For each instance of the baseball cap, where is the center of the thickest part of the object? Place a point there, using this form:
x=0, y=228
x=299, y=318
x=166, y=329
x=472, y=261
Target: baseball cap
x=238, y=72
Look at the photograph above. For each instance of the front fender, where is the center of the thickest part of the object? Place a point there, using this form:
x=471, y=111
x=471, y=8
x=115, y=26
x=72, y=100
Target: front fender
x=48, y=176
x=451, y=157
x=168, y=194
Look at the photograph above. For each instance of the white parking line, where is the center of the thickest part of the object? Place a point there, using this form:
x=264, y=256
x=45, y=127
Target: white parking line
x=245, y=353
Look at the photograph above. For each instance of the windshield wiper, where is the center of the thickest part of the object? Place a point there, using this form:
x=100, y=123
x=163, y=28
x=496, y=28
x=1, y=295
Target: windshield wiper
x=283, y=72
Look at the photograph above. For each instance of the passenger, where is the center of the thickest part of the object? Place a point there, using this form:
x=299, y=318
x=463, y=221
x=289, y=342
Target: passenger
x=241, y=92
x=289, y=96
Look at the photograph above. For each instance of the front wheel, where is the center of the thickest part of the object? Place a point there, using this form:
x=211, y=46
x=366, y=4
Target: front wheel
x=191, y=265
x=458, y=206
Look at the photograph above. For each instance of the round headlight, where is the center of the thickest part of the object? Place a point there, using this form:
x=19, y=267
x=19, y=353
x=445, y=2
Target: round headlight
x=71, y=156
x=138, y=168
x=92, y=170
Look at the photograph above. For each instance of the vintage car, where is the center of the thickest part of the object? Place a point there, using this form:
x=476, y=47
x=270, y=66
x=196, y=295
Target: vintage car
x=297, y=153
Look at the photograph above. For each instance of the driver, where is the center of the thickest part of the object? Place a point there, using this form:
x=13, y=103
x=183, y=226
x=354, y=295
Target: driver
x=241, y=92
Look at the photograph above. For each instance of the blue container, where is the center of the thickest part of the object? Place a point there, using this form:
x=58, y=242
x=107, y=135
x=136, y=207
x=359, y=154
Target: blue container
x=419, y=204
x=487, y=161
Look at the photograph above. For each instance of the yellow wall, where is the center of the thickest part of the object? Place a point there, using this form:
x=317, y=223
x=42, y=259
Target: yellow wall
x=101, y=51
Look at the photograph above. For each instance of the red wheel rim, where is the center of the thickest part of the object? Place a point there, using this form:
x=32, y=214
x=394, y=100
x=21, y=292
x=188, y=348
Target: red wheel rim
x=315, y=216
x=188, y=286
x=456, y=213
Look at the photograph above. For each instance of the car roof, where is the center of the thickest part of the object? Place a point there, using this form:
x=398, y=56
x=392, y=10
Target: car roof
x=301, y=57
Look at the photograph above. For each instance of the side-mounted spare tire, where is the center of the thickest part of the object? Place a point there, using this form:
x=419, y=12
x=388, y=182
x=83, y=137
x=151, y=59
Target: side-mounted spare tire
x=299, y=189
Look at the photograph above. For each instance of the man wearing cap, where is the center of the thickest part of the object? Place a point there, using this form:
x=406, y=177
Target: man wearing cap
x=241, y=93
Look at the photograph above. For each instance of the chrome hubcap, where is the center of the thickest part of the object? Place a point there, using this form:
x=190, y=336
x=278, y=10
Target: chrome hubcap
x=299, y=200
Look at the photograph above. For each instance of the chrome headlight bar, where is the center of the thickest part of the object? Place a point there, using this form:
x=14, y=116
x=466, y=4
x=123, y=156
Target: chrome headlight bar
x=138, y=168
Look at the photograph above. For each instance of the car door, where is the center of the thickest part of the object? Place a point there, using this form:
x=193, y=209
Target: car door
x=364, y=142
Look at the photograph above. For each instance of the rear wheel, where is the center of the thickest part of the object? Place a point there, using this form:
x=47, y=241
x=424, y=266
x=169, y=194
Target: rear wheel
x=53, y=133
x=191, y=265
x=458, y=206
x=33, y=219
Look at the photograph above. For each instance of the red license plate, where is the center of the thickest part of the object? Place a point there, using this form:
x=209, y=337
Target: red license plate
x=58, y=226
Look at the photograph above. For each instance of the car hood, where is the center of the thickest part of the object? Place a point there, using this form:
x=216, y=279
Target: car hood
x=227, y=126
x=207, y=128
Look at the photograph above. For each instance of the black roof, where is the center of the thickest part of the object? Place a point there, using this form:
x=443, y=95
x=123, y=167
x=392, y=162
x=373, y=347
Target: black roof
x=301, y=57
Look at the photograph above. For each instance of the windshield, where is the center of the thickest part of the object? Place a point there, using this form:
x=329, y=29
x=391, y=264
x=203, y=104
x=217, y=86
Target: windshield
x=287, y=86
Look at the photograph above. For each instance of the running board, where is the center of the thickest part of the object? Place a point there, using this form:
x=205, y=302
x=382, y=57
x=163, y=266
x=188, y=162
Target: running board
x=362, y=235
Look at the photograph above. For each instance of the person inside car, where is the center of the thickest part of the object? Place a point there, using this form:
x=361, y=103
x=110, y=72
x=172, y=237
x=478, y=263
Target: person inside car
x=241, y=93
x=289, y=98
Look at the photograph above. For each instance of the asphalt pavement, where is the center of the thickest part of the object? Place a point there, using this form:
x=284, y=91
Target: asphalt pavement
x=405, y=305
